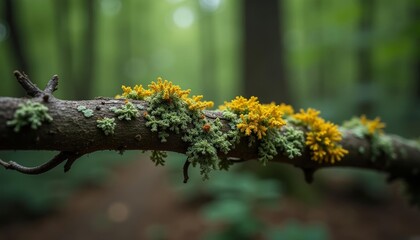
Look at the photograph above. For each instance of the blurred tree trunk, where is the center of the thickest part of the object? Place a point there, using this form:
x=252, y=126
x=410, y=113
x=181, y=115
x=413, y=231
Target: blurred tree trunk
x=15, y=41
x=124, y=39
x=64, y=44
x=208, y=51
x=365, y=104
x=416, y=68
x=84, y=86
x=264, y=69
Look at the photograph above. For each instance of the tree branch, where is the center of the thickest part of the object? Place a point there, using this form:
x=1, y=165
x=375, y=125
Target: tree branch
x=30, y=88
x=74, y=134
x=59, y=158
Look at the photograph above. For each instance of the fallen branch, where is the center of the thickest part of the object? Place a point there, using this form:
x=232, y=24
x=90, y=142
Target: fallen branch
x=75, y=133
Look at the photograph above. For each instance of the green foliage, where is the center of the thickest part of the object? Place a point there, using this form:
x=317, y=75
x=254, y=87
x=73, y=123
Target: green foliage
x=290, y=141
x=126, y=112
x=29, y=113
x=86, y=111
x=107, y=125
x=295, y=230
x=236, y=196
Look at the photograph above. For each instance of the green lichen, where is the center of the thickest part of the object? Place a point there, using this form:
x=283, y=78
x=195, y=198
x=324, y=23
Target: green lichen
x=164, y=116
x=206, y=138
x=289, y=141
x=356, y=127
x=29, y=113
x=209, y=136
x=107, y=125
x=126, y=112
x=158, y=157
x=86, y=111
x=380, y=142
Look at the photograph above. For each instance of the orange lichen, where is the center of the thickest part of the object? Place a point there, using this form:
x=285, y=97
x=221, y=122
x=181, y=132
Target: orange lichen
x=206, y=127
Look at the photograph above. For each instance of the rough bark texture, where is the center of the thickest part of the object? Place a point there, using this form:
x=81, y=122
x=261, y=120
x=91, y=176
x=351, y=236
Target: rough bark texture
x=71, y=131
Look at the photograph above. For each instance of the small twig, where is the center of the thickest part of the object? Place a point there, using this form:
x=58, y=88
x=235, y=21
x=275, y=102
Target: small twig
x=70, y=160
x=309, y=174
x=30, y=88
x=59, y=158
x=52, y=85
x=185, y=170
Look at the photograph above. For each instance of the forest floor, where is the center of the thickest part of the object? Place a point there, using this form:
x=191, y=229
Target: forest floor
x=139, y=202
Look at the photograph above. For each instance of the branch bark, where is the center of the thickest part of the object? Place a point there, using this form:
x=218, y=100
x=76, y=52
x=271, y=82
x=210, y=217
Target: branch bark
x=74, y=135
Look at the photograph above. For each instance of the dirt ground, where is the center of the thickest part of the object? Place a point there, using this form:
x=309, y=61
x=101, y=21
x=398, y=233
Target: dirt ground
x=139, y=203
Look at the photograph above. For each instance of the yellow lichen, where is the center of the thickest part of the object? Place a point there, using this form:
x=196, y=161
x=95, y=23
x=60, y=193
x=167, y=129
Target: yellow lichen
x=373, y=126
x=240, y=104
x=138, y=92
x=256, y=118
x=322, y=137
x=195, y=103
x=168, y=90
x=309, y=117
x=286, y=109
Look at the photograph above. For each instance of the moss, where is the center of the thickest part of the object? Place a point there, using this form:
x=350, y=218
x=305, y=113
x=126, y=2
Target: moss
x=126, y=112
x=29, y=113
x=86, y=111
x=107, y=125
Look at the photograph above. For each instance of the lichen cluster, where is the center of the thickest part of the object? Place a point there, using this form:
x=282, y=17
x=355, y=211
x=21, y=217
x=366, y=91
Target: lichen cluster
x=107, y=125
x=271, y=127
x=322, y=137
x=256, y=118
x=263, y=124
x=372, y=129
x=86, y=111
x=29, y=113
x=170, y=109
x=126, y=112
